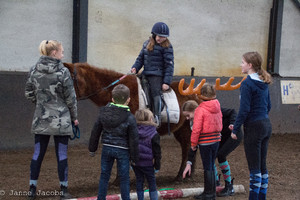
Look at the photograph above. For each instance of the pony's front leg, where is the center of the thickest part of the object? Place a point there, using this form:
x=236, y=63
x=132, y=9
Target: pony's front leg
x=183, y=136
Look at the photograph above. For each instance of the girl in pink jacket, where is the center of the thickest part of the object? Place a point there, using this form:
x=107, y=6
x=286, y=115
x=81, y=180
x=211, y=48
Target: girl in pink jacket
x=206, y=135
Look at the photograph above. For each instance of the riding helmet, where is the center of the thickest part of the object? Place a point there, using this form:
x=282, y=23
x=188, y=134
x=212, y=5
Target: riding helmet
x=160, y=29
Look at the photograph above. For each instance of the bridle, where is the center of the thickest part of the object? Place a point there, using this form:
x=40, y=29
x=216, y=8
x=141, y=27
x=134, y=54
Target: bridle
x=75, y=81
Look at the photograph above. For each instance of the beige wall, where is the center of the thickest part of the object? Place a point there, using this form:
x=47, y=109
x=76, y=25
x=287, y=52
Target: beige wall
x=208, y=35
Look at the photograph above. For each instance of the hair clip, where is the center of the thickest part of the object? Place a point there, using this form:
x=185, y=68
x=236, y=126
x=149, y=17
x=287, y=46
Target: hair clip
x=47, y=42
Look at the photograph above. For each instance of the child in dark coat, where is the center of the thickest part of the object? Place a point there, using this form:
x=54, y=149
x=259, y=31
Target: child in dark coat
x=118, y=130
x=157, y=58
x=150, y=154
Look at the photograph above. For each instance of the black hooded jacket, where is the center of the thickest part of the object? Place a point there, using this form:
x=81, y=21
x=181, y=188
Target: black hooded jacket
x=118, y=128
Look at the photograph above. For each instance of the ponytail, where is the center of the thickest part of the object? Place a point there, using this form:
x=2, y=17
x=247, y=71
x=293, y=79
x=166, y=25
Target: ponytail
x=47, y=46
x=264, y=76
x=256, y=60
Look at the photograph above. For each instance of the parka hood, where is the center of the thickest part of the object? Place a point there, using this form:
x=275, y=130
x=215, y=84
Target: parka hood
x=113, y=115
x=48, y=65
x=260, y=84
x=146, y=130
x=213, y=106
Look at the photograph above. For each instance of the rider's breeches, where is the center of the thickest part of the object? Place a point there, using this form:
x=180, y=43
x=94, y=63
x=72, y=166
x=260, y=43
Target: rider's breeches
x=40, y=148
x=155, y=83
x=228, y=145
x=256, y=140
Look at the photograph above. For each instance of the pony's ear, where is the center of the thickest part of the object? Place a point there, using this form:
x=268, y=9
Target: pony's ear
x=69, y=66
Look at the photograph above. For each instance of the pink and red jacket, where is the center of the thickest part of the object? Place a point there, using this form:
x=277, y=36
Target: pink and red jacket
x=207, y=125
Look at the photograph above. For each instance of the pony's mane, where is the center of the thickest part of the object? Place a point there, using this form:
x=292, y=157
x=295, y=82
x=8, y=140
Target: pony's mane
x=103, y=71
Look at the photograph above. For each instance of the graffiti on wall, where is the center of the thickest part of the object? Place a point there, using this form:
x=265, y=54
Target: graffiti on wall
x=290, y=91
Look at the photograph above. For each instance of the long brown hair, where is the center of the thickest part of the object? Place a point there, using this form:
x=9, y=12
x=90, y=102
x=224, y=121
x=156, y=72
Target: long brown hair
x=152, y=42
x=256, y=60
x=190, y=106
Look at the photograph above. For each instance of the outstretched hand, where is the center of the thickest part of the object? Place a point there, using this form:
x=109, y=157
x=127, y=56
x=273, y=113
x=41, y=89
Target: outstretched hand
x=188, y=169
x=76, y=122
x=133, y=70
x=233, y=136
x=165, y=87
x=194, y=148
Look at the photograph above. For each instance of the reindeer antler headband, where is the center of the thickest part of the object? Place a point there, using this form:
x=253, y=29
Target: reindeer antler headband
x=191, y=90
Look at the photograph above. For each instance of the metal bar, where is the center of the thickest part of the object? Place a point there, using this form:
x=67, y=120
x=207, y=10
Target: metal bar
x=80, y=26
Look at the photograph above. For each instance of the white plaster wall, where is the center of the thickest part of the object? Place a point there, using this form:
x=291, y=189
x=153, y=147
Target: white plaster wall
x=289, y=63
x=25, y=23
x=208, y=35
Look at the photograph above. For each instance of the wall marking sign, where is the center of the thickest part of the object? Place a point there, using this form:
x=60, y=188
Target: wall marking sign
x=290, y=92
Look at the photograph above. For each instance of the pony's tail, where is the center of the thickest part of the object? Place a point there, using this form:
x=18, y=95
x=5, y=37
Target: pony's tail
x=265, y=76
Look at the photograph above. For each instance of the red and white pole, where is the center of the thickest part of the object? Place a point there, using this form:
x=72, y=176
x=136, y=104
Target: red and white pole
x=168, y=194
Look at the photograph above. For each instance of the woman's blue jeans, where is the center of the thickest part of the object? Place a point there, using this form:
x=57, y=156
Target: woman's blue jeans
x=109, y=155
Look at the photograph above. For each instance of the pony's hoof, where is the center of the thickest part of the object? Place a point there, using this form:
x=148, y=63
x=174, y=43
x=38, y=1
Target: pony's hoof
x=178, y=178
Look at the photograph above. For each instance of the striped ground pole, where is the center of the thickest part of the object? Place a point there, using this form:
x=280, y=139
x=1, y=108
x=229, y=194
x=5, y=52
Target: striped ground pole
x=168, y=194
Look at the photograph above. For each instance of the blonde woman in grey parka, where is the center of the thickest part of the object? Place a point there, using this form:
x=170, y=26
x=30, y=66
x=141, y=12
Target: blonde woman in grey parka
x=50, y=87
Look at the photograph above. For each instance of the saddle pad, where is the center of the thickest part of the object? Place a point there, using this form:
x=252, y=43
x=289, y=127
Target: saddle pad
x=171, y=101
x=143, y=103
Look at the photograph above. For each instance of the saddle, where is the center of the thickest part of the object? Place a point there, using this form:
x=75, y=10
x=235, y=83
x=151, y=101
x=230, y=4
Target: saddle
x=170, y=107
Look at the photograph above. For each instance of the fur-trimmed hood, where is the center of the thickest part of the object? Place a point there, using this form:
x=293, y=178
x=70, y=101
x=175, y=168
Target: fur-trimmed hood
x=146, y=130
x=147, y=123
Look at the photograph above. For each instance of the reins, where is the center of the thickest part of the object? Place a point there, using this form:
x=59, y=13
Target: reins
x=116, y=81
x=76, y=132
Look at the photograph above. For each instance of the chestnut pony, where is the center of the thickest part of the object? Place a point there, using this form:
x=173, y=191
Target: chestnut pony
x=90, y=81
